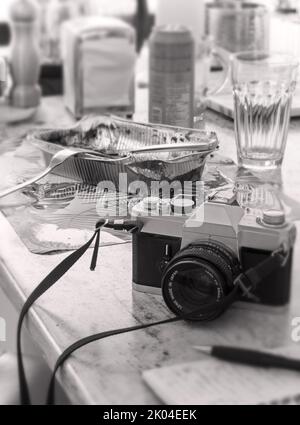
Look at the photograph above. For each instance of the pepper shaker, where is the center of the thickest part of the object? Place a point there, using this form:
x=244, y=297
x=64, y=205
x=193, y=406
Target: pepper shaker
x=25, y=61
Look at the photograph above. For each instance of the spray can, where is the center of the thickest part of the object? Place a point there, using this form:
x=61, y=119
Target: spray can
x=171, y=76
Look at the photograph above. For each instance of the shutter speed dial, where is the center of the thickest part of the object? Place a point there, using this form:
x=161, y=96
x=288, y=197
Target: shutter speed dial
x=274, y=217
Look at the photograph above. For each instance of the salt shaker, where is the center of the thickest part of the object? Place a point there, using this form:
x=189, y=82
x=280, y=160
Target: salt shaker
x=25, y=62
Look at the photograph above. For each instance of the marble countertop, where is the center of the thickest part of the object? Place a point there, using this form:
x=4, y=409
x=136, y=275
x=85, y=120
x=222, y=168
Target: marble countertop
x=86, y=302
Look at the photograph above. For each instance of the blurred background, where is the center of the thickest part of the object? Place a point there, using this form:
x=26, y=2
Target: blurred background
x=284, y=22
x=92, y=56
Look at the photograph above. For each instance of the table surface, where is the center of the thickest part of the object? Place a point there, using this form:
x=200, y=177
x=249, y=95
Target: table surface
x=85, y=302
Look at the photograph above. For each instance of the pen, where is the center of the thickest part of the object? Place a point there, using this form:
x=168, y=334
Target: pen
x=250, y=357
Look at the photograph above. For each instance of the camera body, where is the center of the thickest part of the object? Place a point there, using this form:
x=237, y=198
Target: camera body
x=249, y=235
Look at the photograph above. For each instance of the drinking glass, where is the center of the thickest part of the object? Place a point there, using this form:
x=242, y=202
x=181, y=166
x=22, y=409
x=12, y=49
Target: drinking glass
x=263, y=86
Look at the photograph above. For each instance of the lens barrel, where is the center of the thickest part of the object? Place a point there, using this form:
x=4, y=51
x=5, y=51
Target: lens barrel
x=198, y=278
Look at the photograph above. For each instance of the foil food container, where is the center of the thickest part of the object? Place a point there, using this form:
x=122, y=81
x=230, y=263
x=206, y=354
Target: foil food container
x=114, y=136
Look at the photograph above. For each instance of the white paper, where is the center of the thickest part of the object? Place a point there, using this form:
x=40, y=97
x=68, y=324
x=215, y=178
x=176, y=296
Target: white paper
x=217, y=382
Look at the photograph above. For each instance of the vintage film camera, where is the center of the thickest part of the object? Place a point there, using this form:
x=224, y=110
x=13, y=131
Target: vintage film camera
x=198, y=259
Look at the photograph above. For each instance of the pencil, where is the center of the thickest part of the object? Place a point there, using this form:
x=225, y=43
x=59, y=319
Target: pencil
x=250, y=357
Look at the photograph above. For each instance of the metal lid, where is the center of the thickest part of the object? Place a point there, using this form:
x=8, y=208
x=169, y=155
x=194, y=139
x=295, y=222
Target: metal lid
x=182, y=202
x=274, y=217
x=171, y=34
x=182, y=205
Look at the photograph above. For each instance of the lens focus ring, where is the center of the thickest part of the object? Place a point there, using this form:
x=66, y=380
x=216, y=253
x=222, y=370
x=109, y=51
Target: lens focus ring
x=201, y=274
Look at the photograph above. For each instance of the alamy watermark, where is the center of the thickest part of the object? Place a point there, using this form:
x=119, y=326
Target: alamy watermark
x=118, y=200
x=173, y=198
x=295, y=335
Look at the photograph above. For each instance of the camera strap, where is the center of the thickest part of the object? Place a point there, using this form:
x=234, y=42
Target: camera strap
x=245, y=282
x=46, y=284
x=223, y=305
x=249, y=280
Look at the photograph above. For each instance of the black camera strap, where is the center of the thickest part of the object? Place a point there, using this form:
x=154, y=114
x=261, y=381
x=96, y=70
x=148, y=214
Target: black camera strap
x=226, y=302
x=249, y=280
x=46, y=284
x=245, y=283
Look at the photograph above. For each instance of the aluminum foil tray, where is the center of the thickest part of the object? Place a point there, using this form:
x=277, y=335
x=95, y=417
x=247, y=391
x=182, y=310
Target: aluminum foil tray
x=111, y=135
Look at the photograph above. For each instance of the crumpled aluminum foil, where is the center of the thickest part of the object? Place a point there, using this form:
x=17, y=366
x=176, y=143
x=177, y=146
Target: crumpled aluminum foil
x=116, y=137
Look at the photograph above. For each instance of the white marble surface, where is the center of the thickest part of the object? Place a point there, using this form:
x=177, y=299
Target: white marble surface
x=85, y=302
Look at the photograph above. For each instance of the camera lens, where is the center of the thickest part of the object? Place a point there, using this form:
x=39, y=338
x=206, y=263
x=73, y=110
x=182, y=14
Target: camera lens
x=201, y=275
